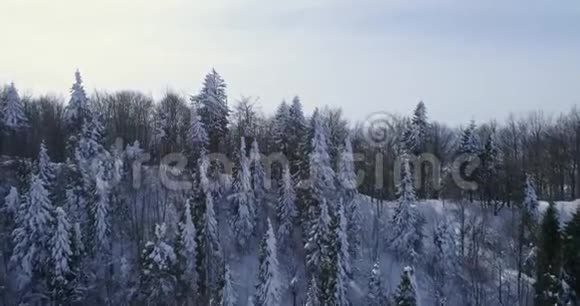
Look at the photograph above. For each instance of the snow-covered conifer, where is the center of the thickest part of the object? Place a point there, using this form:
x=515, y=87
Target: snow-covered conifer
x=157, y=268
x=187, y=251
x=78, y=109
x=468, y=142
x=213, y=109
x=61, y=250
x=259, y=182
x=375, y=295
x=339, y=267
x=243, y=201
x=405, y=230
x=322, y=175
x=286, y=211
x=13, y=117
x=296, y=137
x=101, y=226
x=530, y=204
x=313, y=293
x=197, y=131
x=318, y=240
x=268, y=288
x=347, y=178
x=11, y=201
x=228, y=295
x=406, y=294
x=45, y=167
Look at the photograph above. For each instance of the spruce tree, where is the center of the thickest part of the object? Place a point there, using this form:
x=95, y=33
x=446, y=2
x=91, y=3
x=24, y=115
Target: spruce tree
x=61, y=257
x=347, y=179
x=259, y=183
x=158, y=259
x=313, y=294
x=549, y=259
x=243, y=201
x=268, y=288
x=571, y=255
x=45, y=166
x=296, y=139
x=228, y=295
x=375, y=295
x=213, y=109
x=286, y=211
x=406, y=294
x=281, y=130
x=13, y=116
x=406, y=225
x=337, y=266
x=187, y=253
x=322, y=175
x=11, y=202
x=32, y=235
x=318, y=241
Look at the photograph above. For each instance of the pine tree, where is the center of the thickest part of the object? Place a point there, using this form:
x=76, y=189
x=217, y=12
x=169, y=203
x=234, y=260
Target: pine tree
x=549, y=259
x=571, y=252
x=281, y=129
x=406, y=294
x=468, y=143
x=78, y=109
x=101, y=223
x=321, y=173
x=13, y=116
x=414, y=137
x=375, y=295
x=296, y=137
x=228, y=296
x=268, y=289
x=259, y=183
x=530, y=204
x=286, y=211
x=318, y=239
x=335, y=284
x=443, y=265
x=11, y=202
x=489, y=169
x=313, y=294
x=243, y=201
x=212, y=253
x=213, y=109
x=61, y=256
x=32, y=234
x=187, y=254
x=347, y=178
x=157, y=284
x=406, y=225
x=45, y=167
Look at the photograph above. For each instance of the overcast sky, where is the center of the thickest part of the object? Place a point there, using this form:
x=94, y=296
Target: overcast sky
x=465, y=59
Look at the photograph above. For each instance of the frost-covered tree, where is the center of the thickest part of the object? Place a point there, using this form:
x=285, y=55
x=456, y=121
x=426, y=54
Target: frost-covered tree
x=78, y=109
x=416, y=131
x=281, y=129
x=406, y=294
x=444, y=260
x=406, y=224
x=468, y=142
x=100, y=225
x=158, y=259
x=335, y=284
x=213, y=108
x=286, y=211
x=187, y=253
x=197, y=132
x=347, y=179
x=296, y=136
x=322, y=175
x=488, y=177
x=228, y=295
x=530, y=204
x=571, y=255
x=317, y=245
x=13, y=116
x=259, y=183
x=61, y=256
x=33, y=234
x=210, y=257
x=11, y=202
x=268, y=288
x=45, y=166
x=375, y=295
x=313, y=294
x=243, y=201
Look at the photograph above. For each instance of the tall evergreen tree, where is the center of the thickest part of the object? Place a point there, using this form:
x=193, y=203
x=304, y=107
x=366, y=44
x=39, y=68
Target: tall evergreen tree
x=197, y=133
x=78, y=110
x=45, y=166
x=228, y=296
x=375, y=295
x=322, y=175
x=286, y=211
x=213, y=109
x=313, y=294
x=549, y=260
x=158, y=281
x=61, y=257
x=13, y=116
x=186, y=255
x=281, y=129
x=571, y=252
x=296, y=139
x=33, y=234
x=406, y=224
x=243, y=201
x=259, y=181
x=268, y=289
x=335, y=284
x=406, y=294
x=347, y=179
x=318, y=241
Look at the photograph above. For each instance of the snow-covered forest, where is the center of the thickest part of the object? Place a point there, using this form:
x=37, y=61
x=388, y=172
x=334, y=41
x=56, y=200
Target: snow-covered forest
x=113, y=198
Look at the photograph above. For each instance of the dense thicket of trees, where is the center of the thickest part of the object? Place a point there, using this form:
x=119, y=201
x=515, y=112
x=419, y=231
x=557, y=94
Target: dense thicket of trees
x=77, y=227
